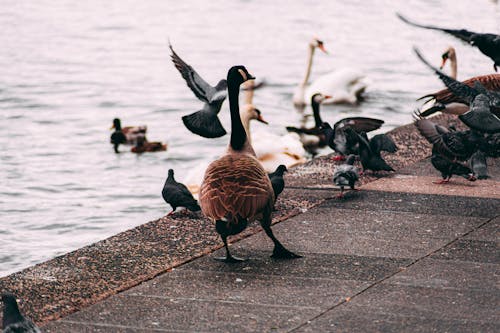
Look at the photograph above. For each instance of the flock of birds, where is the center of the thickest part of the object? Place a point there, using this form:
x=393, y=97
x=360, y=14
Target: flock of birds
x=239, y=187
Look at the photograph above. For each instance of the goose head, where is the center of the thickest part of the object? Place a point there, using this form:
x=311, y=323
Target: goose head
x=318, y=98
x=448, y=54
x=317, y=43
x=238, y=74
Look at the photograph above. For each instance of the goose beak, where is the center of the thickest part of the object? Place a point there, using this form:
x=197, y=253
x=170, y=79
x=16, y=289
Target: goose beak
x=250, y=77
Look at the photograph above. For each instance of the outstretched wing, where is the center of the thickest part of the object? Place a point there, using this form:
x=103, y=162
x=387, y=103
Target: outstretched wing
x=462, y=34
x=359, y=124
x=200, y=87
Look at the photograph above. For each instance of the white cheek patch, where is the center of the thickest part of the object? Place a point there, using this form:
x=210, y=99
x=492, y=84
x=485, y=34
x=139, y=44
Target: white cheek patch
x=243, y=74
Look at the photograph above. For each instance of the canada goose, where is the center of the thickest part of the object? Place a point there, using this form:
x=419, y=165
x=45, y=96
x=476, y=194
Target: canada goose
x=236, y=189
x=343, y=85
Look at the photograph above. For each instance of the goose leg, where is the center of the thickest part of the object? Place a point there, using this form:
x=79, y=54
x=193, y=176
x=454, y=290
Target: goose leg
x=221, y=228
x=279, y=252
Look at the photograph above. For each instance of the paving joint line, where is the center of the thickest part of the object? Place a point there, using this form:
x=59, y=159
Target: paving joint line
x=349, y=299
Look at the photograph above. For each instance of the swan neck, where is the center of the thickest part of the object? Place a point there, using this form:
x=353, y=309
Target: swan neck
x=245, y=120
x=248, y=94
x=308, y=68
x=453, y=66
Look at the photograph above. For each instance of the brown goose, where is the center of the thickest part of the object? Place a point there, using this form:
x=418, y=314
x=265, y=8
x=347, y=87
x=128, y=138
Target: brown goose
x=236, y=188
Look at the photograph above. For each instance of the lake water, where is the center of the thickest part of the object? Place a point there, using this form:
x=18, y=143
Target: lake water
x=69, y=67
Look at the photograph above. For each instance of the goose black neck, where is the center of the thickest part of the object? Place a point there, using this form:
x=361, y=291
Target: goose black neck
x=317, y=117
x=238, y=133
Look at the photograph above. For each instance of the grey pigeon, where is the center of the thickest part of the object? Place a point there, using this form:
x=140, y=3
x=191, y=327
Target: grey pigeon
x=483, y=103
x=13, y=320
x=177, y=195
x=479, y=165
x=369, y=151
x=346, y=175
x=204, y=122
x=488, y=44
x=277, y=180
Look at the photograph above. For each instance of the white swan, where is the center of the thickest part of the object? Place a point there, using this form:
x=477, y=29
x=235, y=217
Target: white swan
x=344, y=85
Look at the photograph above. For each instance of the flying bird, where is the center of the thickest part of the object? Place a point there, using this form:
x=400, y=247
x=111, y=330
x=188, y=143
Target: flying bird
x=204, y=122
x=346, y=175
x=177, y=194
x=488, y=44
x=13, y=320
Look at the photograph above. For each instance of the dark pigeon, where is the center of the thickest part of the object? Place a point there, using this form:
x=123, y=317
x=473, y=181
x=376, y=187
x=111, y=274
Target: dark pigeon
x=277, y=180
x=204, y=122
x=369, y=151
x=479, y=165
x=346, y=175
x=13, y=320
x=178, y=195
x=488, y=44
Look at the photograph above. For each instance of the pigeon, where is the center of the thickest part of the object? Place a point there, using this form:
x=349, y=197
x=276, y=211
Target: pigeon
x=369, y=151
x=204, y=122
x=449, y=167
x=488, y=44
x=277, y=180
x=13, y=320
x=346, y=142
x=345, y=175
x=479, y=165
x=449, y=148
x=490, y=145
x=178, y=195
x=483, y=103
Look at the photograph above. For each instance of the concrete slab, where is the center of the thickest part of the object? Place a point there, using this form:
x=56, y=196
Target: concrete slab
x=471, y=250
x=249, y=288
x=488, y=232
x=177, y=314
x=366, y=233
x=458, y=186
x=346, y=321
x=313, y=265
x=419, y=203
x=450, y=274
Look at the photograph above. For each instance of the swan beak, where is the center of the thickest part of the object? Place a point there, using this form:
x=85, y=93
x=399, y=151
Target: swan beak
x=327, y=96
x=112, y=127
x=443, y=63
x=322, y=48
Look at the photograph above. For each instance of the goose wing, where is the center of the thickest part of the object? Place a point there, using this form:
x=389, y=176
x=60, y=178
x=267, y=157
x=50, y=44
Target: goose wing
x=235, y=186
x=195, y=82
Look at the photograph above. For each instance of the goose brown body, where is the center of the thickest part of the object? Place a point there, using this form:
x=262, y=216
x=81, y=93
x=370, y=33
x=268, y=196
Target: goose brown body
x=236, y=186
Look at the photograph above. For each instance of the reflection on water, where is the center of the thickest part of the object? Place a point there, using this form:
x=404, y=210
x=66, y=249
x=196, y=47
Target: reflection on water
x=69, y=68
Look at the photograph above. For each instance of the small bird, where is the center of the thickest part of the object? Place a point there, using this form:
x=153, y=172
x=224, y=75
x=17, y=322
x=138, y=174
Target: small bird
x=346, y=175
x=204, y=122
x=483, y=103
x=479, y=165
x=126, y=135
x=369, y=151
x=143, y=145
x=13, y=320
x=277, y=180
x=177, y=195
x=488, y=44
